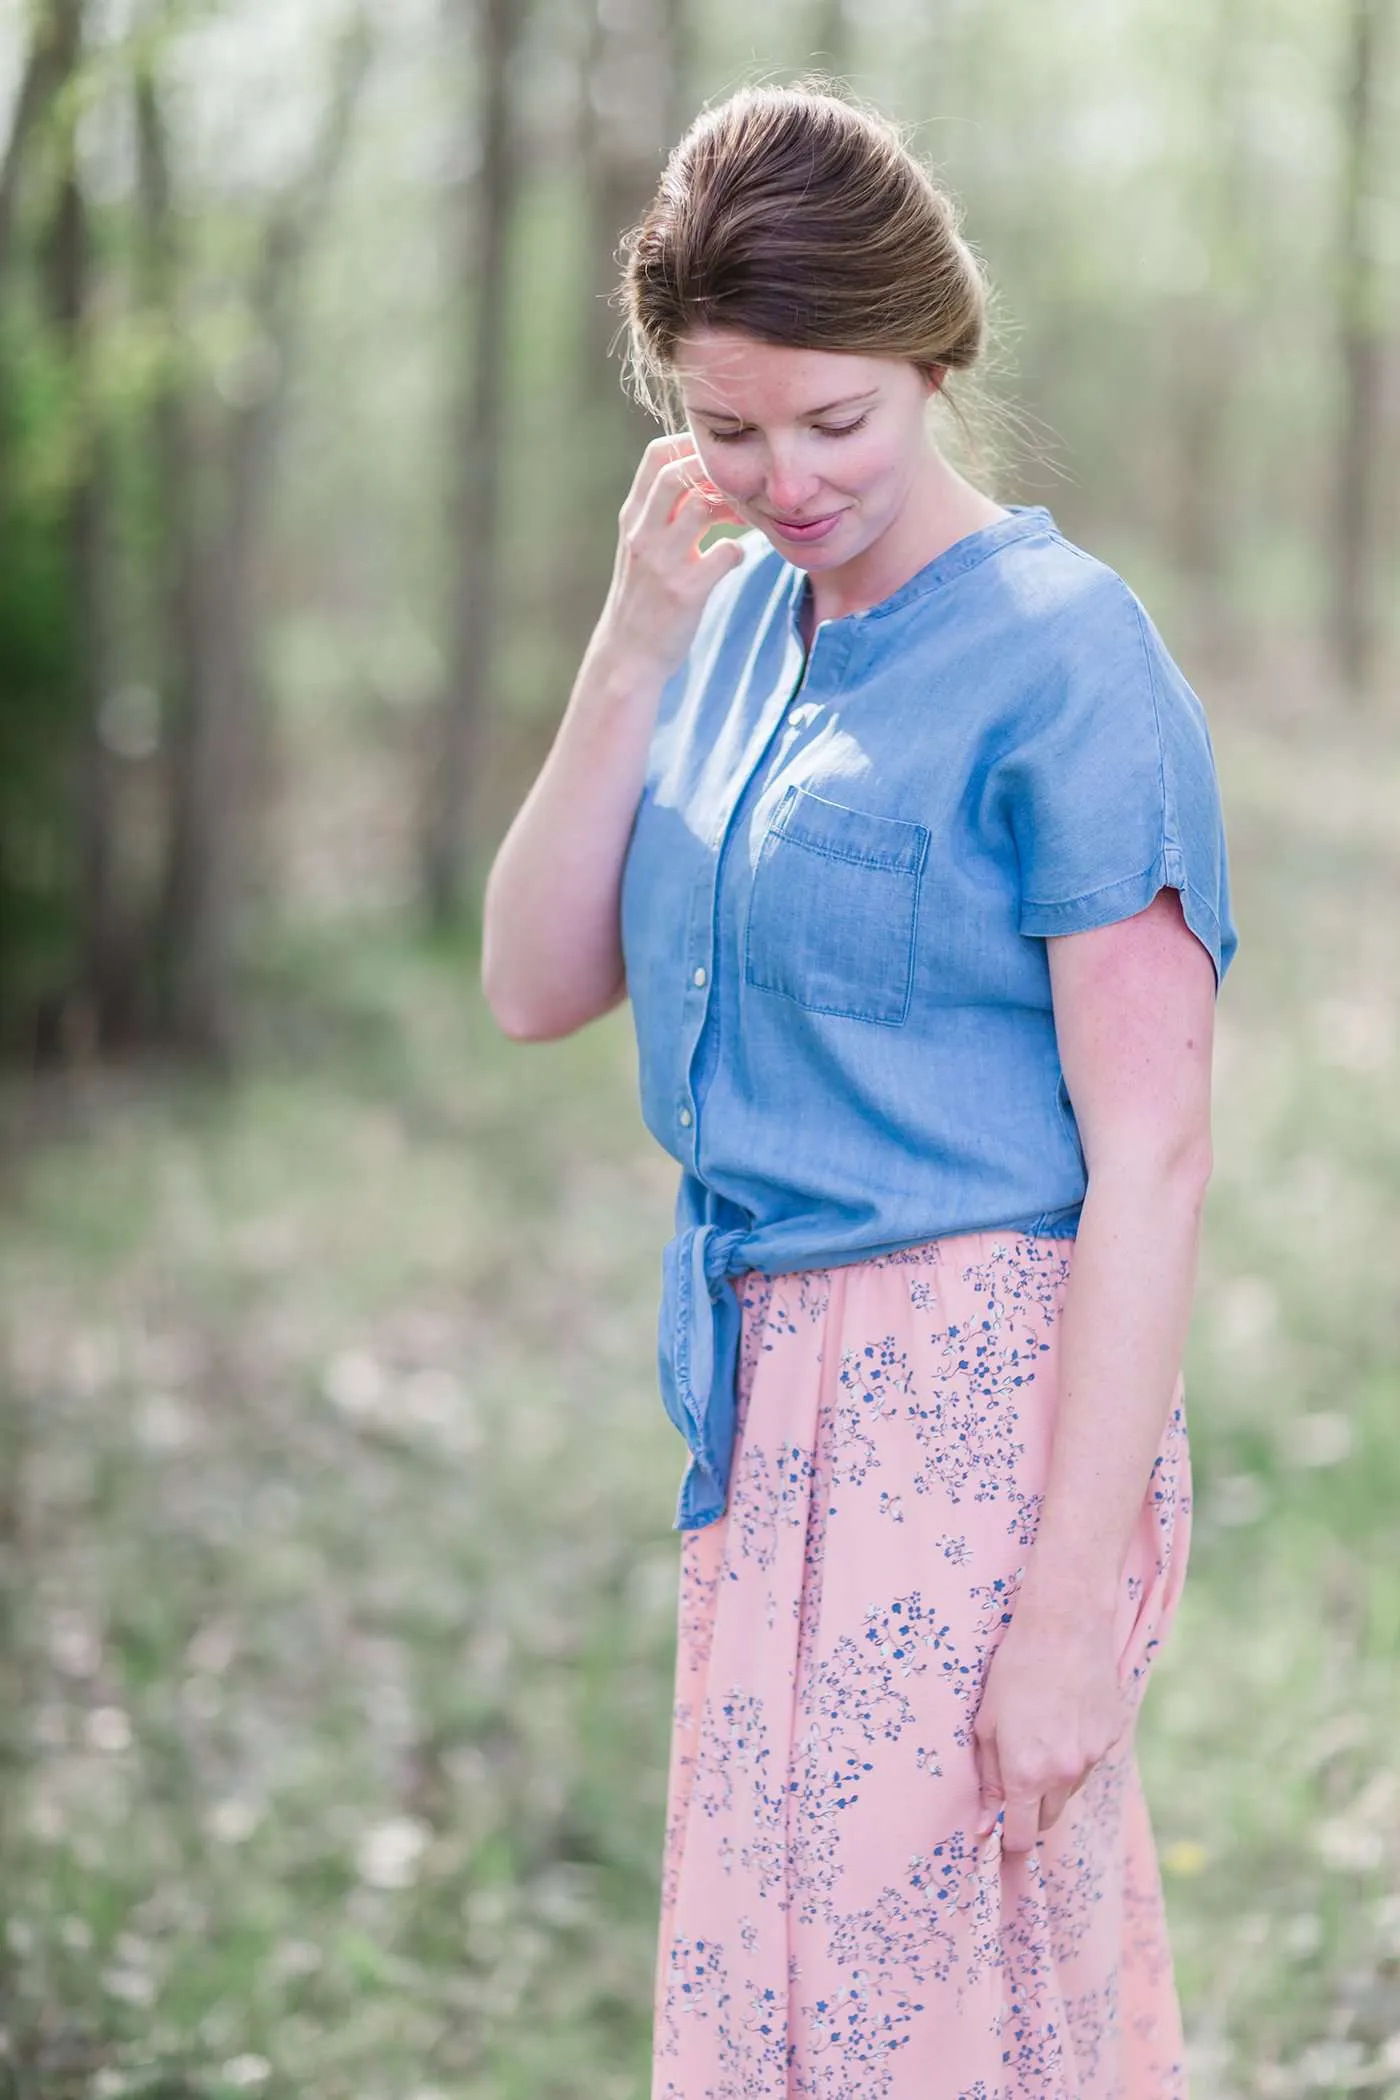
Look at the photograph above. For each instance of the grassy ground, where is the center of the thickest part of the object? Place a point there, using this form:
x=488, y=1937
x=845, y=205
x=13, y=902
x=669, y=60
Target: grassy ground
x=338, y=1576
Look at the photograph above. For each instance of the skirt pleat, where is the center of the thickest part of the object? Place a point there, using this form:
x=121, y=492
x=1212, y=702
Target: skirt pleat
x=831, y=1926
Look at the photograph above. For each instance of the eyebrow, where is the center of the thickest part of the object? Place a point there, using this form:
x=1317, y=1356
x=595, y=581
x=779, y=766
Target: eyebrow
x=727, y=415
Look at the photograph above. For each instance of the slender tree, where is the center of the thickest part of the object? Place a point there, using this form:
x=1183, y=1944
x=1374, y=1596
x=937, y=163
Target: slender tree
x=483, y=212
x=1359, y=450
x=103, y=1009
x=41, y=74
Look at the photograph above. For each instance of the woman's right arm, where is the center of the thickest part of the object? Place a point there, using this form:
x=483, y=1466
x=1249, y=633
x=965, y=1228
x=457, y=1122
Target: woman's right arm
x=551, y=956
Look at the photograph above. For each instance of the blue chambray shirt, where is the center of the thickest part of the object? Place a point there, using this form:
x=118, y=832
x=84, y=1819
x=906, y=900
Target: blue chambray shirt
x=835, y=902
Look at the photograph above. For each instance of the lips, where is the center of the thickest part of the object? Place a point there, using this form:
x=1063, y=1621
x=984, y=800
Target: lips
x=806, y=529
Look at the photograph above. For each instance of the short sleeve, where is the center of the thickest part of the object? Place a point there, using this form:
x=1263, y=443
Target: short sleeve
x=1113, y=792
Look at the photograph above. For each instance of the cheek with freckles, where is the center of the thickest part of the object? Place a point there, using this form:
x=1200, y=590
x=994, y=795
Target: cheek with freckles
x=874, y=467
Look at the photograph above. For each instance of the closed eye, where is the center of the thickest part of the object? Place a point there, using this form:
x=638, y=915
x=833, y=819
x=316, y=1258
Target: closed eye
x=733, y=437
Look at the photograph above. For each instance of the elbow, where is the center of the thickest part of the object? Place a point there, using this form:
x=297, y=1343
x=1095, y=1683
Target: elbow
x=503, y=1001
x=536, y=993
x=517, y=1018
x=520, y=1028
x=537, y=1026
x=539, y=1019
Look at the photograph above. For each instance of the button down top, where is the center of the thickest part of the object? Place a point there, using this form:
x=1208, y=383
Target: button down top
x=869, y=848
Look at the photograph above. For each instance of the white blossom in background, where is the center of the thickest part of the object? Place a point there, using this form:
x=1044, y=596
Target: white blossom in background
x=133, y=1986
x=234, y=1820
x=108, y=1728
x=164, y=1423
x=354, y=1382
x=389, y=1853
x=246, y=2071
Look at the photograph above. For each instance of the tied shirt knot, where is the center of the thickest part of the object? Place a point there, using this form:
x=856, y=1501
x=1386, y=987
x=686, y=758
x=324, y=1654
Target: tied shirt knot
x=697, y=1358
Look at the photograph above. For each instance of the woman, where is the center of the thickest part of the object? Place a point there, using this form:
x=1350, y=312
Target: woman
x=900, y=828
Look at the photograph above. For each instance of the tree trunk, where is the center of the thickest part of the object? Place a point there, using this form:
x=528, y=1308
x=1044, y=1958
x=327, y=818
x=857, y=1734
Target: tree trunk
x=1359, y=449
x=485, y=210
x=42, y=74
x=210, y=581
x=192, y=957
x=102, y=1008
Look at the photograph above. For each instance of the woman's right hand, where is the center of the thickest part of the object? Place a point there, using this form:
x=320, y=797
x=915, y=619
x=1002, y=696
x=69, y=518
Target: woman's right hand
x=661, y=579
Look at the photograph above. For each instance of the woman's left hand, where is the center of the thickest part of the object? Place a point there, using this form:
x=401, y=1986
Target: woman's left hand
x=1051, y=1707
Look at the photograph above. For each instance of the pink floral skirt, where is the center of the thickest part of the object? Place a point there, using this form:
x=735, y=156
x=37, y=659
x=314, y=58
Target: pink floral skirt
x=831, y=1926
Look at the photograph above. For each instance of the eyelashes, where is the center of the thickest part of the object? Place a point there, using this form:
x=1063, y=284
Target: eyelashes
x=734, y=437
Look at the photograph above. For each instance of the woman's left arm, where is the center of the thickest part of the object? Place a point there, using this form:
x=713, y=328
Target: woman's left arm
x=1134, y=1010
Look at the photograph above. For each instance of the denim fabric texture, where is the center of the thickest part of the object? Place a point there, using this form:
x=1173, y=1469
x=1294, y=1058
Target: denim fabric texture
x=835, y=902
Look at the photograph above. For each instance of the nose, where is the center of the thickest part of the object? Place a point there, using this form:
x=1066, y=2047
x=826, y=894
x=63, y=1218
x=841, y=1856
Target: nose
x=789, y=490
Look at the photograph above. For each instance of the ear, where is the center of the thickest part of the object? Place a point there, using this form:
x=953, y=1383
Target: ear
x=934, y=376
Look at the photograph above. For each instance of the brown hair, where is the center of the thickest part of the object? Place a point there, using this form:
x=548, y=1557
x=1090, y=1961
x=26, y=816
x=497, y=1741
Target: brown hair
x=799, y=216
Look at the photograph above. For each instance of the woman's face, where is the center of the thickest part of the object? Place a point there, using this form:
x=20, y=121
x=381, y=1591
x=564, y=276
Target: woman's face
x=819, y=439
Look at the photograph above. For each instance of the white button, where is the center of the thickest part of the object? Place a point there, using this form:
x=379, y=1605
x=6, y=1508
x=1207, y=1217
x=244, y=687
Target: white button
x=795, y=718
x=697, y=975
x=685, y=1119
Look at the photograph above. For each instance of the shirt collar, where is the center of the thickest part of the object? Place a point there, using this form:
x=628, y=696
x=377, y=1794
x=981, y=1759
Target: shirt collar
x=1022, y=521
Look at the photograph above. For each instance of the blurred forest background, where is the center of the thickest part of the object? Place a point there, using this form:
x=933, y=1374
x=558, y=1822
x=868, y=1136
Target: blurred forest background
x=336, y=1578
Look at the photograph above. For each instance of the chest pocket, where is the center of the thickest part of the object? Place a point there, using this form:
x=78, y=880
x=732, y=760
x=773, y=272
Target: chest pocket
x=833, y=908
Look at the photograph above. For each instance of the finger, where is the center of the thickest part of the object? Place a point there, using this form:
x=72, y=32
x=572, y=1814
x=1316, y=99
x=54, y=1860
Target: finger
x=1022, y=1825
x=698, y=509
x=725, y=554
x=660, y=449
x=673, y=480
x=682, y=497
x=992, y=1795
x=661, y=453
